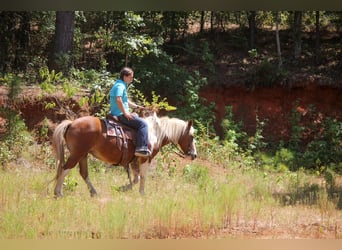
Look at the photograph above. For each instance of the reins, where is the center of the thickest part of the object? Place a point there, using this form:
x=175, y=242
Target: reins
x=179, y=153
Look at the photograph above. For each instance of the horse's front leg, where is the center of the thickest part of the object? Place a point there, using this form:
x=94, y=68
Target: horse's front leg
x=143, y=169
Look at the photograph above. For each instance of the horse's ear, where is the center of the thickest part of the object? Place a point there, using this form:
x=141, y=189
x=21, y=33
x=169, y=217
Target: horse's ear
x=190, y=123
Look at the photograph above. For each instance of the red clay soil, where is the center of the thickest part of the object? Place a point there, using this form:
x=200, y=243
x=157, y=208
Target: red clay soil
x=32, y=106
x=274, y=106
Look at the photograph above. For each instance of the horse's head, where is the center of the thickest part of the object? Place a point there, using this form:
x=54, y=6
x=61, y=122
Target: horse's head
x=173, y=130
x=187, y=141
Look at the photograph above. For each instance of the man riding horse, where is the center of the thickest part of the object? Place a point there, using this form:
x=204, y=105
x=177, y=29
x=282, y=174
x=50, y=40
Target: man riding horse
x=119, y=107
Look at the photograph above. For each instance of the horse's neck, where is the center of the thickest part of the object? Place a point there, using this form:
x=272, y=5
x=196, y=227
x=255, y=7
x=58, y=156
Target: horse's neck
x=172, y=129
x=166, y=129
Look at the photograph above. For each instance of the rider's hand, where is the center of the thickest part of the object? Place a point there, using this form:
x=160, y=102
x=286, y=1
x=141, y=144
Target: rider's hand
x=128, y=115
x=140, y=107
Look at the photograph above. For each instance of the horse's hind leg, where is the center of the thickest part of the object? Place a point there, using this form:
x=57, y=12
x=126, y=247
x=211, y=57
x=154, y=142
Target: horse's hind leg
x=84, y=173
x=60, y=180
x=70, y=163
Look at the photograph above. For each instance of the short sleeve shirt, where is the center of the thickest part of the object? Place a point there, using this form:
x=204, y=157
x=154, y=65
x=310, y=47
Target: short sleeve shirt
x=119, y=89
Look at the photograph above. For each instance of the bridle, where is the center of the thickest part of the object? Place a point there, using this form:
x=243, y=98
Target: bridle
x=179, y=152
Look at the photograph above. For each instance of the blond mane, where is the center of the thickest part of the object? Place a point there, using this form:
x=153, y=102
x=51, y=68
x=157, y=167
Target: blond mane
x=166, y=128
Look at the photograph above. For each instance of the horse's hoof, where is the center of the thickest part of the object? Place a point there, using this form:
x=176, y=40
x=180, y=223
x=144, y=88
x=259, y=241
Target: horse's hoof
x=93, y=194
x=57, y=196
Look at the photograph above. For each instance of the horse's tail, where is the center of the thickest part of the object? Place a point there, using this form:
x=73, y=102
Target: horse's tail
x=58, y=142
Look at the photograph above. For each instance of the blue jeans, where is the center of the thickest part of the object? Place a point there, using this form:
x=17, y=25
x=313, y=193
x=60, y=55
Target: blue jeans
x=142, y=130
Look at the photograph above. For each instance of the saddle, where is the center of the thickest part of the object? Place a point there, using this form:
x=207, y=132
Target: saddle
x=122, y=132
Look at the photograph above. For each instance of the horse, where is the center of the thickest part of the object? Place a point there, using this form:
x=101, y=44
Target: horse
x=88, y=135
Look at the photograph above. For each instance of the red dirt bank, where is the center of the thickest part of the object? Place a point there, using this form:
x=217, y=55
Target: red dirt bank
x=274, y=105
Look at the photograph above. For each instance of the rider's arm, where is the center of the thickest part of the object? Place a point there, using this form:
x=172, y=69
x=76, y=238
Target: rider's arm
x=121, y=106
x=132, y=104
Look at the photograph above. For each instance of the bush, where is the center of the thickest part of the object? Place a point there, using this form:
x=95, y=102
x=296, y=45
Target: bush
x=265, y=73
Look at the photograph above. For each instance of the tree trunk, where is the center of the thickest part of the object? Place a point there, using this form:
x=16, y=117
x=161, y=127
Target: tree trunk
x=297, y=31
x=277, y=21
x=60, y=58
x=251, y=23
x=212, y=13
x=317, y=42
x=202, y=21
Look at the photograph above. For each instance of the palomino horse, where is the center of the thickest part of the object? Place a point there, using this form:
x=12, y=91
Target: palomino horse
x=88, y=135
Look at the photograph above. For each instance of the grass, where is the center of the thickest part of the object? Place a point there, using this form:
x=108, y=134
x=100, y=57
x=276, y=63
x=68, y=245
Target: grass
x=190, y=202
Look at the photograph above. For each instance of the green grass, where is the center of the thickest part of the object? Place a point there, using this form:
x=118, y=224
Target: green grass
x=190, y=201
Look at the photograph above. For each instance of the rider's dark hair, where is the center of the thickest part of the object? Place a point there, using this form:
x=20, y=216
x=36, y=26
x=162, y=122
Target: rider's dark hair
x=126, y=71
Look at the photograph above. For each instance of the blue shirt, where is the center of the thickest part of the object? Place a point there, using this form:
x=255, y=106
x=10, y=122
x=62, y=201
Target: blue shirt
x=119, y=89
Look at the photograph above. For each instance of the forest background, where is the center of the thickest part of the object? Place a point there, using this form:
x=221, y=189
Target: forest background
x=176, y=55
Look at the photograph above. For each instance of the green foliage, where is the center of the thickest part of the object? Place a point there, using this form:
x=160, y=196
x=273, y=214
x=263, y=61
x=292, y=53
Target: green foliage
x=15, y=140
x=156, y=104
x=160, y=75
x=16, y=137
x=256, y=143
x=296, y=128
x=198, y=51
x=233, y=131
x=323, y=149
x=128, y=40
x=97, y=84
x=191, y=105
x=49, y=79
x=264, y=72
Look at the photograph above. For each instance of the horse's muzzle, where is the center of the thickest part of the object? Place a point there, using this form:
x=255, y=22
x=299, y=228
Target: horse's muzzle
x=193, y=155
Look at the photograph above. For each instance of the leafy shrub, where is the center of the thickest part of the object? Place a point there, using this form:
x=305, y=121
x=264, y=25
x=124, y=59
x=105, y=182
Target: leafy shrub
x=15, y=140
x=16, y=137
x=232, y=131
x=284, y=159
x=265, y=73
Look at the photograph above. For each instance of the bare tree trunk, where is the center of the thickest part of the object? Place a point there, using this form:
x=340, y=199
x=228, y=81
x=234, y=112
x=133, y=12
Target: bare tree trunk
x=60, y=58
x=202, y=21
x=277, y=21
x=317, y=42
x=251, y=22
x=297, y=30
x=212, y=13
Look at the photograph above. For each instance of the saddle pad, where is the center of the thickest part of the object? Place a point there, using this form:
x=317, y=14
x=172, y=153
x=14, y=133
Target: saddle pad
x=114, y=129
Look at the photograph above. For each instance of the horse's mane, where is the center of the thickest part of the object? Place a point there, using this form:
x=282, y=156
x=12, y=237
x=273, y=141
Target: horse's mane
x=167, y=128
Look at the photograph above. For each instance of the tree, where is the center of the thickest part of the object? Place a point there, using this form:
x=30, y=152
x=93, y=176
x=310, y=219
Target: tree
x=202, y=22
x=277, y=21
x=251, y=23
x=297, y=34
x=14, y=40
x=317, y=40
x=61, y=56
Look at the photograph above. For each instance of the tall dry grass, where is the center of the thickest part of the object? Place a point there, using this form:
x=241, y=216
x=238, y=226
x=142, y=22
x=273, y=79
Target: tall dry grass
x=190, y=202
